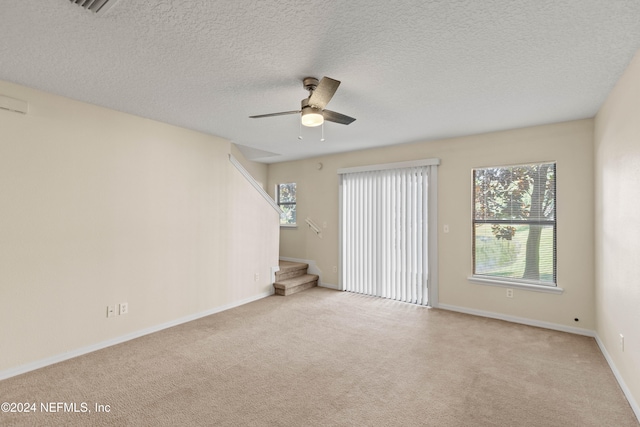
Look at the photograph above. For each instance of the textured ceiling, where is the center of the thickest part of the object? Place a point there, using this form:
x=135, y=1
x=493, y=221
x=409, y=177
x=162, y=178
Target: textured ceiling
x=410, y=70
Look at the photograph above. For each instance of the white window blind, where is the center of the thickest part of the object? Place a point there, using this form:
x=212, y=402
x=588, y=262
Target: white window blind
x=384, y=233
x=514, y=223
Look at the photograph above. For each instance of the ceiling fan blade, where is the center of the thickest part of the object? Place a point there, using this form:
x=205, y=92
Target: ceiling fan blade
x=332, y=116
x=275, y=114
x=323, y=92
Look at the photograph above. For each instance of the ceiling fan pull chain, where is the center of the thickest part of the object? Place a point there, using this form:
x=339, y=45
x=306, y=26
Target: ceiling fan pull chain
x=322, y=139
x=300, y=131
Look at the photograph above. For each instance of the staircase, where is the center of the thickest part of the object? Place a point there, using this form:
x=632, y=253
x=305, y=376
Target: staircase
x=293, y=278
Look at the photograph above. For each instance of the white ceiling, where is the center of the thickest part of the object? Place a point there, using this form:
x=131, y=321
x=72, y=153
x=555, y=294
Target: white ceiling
x=410, y=70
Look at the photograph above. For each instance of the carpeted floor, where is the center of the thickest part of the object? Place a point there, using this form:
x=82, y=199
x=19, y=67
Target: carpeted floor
x=328, y=358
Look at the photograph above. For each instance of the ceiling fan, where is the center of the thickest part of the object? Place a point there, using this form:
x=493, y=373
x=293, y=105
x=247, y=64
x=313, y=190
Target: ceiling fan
x=312, y=110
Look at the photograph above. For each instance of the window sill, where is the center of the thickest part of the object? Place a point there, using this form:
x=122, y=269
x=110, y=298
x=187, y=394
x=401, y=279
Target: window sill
x=516, y=285
x=292, y=226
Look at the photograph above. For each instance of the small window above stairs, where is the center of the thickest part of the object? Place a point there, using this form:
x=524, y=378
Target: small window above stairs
x=293, y=278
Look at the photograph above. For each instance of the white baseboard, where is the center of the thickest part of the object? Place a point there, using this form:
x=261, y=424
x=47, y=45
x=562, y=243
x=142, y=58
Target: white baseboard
x=329, y=285
x=616, y=373
x=521, y=320
x=12, y=372
x=274, y=270
x=313, y=268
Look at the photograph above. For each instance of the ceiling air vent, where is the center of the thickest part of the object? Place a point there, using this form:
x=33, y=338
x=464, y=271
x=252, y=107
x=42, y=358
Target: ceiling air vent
x=97, y=6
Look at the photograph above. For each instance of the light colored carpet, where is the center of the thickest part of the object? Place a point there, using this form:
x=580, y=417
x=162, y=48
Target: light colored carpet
x=329, y=358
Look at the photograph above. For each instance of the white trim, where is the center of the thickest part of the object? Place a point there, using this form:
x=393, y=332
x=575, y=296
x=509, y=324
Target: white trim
x=274, y=270
x=340, y=233
x=12, y=372
x=506, y=283
x=255, y=184
x=313, y=268
x=384, y=166
x=329, y=286
x=521, y=320
x=432, y=229
x=515, y=165
x=634, y=405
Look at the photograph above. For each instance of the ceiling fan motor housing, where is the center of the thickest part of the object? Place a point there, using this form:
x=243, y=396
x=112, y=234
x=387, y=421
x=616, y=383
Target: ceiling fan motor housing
x=310, y=83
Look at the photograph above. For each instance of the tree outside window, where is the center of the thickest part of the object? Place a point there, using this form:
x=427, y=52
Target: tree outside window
x=286, y=198
x=514, y=223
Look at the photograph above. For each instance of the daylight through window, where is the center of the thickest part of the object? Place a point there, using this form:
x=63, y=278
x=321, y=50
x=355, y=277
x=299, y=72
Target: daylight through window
x=514, y=223
x=286, y=197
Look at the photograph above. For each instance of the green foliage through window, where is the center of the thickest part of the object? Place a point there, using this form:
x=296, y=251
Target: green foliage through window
x=286, y=198
x=514, y=222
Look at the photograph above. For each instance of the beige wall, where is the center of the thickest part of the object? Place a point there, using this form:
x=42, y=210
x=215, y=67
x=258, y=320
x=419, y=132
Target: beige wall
x=257, y=170
x=570, y=144
x=99, y=207
x=254, y=233
x=617, y=154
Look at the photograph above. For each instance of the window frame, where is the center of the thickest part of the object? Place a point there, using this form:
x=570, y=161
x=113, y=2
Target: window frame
x=294, y=203
x=494, y=280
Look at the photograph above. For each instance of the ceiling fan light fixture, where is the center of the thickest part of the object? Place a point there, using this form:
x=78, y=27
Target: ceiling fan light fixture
x=312, y=109
x=312, y=117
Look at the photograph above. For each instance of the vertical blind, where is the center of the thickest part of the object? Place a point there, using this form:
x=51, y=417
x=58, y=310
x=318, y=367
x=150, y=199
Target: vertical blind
x=384, y=247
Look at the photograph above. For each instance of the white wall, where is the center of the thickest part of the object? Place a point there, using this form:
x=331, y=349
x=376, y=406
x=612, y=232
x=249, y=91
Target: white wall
x=254, y=234
x=99, y=207
x=617, y=154
x=570, y=144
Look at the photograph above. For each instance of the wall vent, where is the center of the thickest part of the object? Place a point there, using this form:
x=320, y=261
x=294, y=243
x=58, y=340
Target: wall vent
x=97, y=6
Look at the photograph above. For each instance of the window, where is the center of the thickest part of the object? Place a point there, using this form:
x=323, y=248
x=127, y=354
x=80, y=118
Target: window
x=514, y=223
x=286, y=198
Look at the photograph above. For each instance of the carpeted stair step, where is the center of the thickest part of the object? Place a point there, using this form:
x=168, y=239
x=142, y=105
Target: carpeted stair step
x=289, y=270
x=295, y=284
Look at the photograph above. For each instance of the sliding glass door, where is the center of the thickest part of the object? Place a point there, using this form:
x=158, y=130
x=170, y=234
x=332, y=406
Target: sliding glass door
x=386, y=247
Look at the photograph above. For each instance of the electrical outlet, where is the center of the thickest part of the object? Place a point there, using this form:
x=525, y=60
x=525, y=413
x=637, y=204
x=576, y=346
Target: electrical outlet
x=111, y=311
x=622, y=342
x=256, y=277
x=335, y=269
x=124, y=308
x=509, y=293
x=445, y=228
